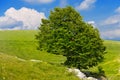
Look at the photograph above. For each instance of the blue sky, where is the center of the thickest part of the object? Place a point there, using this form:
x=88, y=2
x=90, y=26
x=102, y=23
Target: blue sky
x=27, y=14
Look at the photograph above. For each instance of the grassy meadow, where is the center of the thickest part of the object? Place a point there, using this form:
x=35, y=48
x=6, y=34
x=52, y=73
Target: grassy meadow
x=111, y=64
x=12, y=68
x=22, y=44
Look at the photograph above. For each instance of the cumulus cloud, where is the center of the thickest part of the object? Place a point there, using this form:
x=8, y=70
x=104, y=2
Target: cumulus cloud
x=86, y=4
x=23, y=18
x=39, y=1
x=6, y=22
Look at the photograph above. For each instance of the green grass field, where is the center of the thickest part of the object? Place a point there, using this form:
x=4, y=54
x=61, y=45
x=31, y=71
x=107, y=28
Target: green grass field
x=12, y=68
x=23, y=45
x=111, y=64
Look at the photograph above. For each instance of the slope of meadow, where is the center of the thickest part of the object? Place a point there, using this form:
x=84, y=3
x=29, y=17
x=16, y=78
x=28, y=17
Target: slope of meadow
x=22, y=44
x=111, y=64
x=13, y=68
x=17, y=48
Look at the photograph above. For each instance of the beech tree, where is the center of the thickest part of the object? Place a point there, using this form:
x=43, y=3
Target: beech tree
x=65, y=33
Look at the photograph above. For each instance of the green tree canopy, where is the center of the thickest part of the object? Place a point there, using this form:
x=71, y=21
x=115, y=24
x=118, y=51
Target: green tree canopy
x=65, y=33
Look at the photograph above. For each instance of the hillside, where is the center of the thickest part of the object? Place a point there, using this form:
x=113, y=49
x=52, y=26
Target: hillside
x=17, y=48
x=23, y=45
x=13, y=68
x=17, y=45
x=111, y=64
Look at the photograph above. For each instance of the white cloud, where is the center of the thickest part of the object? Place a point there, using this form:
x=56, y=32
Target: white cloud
x=23, y=18
x=92, y=23
x=117, y=10
x=112, y=34
x=86, y=4
x=39, y=1
x=63, y=3
x=6, y=22
x=111, y=26
x=115, y=19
